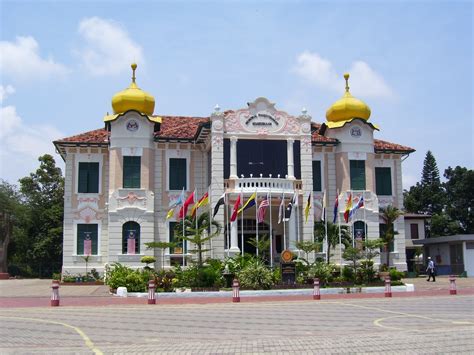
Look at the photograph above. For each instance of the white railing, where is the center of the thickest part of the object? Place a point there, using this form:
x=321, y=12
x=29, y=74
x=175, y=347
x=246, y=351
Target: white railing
x=277, y=185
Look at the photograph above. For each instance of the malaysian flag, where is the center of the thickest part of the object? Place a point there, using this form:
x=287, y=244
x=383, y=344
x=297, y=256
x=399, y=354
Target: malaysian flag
x=262, y=208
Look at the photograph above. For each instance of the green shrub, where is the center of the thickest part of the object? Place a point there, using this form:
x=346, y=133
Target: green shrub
x=322, y=271
x=348, y=273
x=122, y=276
x=255, y=275
x=195, y=276
x=366, y=272
x=396, y=275
x=148, y=259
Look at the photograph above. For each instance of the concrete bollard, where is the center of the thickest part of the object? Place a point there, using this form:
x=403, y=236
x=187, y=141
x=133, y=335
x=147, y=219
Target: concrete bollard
x=236, y=291
x=452, y=285
x=388, y=287
x=316, y=290
x=55, y=293
x=151, y=292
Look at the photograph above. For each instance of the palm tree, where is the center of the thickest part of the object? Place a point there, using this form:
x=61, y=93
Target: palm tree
x=333, y=235
x=198, y=233
x=389, y=214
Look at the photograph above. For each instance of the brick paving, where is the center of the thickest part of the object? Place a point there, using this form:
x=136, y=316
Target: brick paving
x=417, y=325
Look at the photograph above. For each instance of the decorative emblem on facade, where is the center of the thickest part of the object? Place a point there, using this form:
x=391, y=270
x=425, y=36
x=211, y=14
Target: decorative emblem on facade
x=88, y=214
x=217, y=141
x=132, y=125
x=131, y=198
x=217, y=125
x=306, y=127
x=306, y=144
x=356, y=132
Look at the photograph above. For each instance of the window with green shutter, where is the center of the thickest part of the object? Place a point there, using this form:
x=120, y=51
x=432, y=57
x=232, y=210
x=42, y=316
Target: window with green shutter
x=317, y=184
x=357, y=174
x=131, y=172
x=177, y=174
x=383, y=181
x=87, y=232
x=178, y=249
x=88, y=178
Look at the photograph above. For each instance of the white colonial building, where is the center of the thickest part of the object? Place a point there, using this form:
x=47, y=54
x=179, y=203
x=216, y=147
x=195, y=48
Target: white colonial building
x=120, y=180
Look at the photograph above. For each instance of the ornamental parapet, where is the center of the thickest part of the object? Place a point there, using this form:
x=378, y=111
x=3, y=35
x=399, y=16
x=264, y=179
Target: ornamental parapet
x=262, y=185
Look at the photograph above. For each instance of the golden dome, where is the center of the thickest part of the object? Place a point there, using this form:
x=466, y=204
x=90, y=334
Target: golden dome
x=348, y=107
x=133, y=98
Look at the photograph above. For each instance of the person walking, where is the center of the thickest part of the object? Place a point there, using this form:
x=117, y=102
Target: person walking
x=431, y=270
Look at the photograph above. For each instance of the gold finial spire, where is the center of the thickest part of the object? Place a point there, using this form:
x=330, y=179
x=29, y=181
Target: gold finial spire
x=346, y=76
x=134, y=67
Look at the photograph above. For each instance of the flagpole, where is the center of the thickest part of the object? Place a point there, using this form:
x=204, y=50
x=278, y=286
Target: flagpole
x=365, y=228
x=210, y=220
x=256, y=215
x=351, y=223
x=241, y=220
x=271, y=231
x=297, y=219
x=340, y=237
x=182, y=249
x=326, y=226
x=227, y=222
x=283, y=220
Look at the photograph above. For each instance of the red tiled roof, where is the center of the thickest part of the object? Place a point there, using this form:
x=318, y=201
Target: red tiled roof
x=180, y=127
x=97, y=136
x=387, y=146
x=186, y=128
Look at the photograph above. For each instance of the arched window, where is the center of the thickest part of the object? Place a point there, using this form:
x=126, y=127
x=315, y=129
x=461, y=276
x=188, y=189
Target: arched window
x=359, y=233
x=131, y=238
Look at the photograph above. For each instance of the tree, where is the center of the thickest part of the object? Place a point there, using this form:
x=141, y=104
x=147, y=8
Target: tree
x=198, y=233
x=307, y=247
x=9, y=208
x=333, y=235
x=162, y=246
x=460, y=197
x=428, y=195
x=389, y=214
x=43, y=193
x=262, y=245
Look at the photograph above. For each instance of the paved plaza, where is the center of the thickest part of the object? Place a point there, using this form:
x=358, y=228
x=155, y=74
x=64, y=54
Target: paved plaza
x=419, y=325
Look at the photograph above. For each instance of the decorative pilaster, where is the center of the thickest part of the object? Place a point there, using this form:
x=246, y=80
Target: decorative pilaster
x=233, y=158
x=291, y=164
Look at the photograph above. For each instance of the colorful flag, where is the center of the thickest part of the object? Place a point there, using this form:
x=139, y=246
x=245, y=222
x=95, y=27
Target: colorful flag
x=178, y=202
x=307, y=208
x=219, y=203
x=250, y=202
x=359, y=204
x=203, y=201
x=170, y=213
x=262, y=208
x=289, y=208
x=336, y=209
x=184, y=209
x=281, y=209
x=348, y=208
x=236, y=210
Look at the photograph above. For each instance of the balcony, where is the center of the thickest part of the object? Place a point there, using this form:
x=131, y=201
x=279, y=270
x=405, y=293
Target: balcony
x=262, y=185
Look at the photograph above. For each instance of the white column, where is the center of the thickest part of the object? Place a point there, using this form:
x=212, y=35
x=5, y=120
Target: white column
x=234, y=243
x=292, y=228
x=291, y=164
x=233, y=158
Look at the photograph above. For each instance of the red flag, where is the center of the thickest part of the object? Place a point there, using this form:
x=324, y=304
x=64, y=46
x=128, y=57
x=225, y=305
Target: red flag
x=236, y=210
x=261, y=209
x=184, y=209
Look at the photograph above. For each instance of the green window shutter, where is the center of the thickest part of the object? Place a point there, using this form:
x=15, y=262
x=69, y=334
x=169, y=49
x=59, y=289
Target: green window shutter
x=317, y=185
x=82, y=231
x=177, y=174
x=93, y=180
x=383, y=181
x=131, y=172
x=357, y=174
x=88, y=179
x=83, y=177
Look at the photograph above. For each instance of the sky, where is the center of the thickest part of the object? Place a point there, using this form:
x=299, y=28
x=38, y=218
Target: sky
x=411, y=62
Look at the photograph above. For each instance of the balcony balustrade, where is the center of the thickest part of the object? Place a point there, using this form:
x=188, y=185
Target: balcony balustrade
x=262, y=185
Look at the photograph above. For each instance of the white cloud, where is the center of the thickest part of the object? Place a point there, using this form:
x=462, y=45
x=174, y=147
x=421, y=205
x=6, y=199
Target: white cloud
x=319, y=71
x=5, y=91
x=21, y=144
x=21, y=60
x=109, y=49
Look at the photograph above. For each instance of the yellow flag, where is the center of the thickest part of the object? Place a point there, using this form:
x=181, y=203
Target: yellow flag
x=170, y=213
